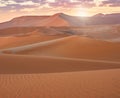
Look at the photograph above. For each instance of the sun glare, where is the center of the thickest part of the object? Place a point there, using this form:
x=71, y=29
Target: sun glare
x=82, y=13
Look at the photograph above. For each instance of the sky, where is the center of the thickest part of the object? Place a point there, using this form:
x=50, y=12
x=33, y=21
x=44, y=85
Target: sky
x=15, y=8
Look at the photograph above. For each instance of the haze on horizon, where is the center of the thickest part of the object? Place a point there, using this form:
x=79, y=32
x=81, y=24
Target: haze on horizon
x=14, y=8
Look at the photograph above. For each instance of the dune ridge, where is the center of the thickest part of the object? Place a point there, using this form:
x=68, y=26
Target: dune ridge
x=61, y=19
x=71, y=47
x=35, y=35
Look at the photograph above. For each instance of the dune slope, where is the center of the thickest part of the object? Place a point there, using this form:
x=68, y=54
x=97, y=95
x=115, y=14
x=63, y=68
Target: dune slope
x=14, y=37
x=33, y=64
x=72, y=47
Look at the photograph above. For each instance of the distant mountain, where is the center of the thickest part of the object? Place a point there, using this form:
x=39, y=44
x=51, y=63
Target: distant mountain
x=61, y=19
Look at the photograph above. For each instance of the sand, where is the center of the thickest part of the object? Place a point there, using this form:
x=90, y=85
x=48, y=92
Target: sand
x=43, y=77
x=24, y=36
x=50, y=63
x=35, y=64
x=72, y=47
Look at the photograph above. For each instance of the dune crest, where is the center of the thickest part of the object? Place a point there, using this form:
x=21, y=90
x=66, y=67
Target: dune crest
x=71, y=47
x=61, y=19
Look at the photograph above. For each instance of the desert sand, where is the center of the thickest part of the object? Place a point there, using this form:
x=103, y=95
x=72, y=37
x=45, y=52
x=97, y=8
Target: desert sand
x=59, y=62
x=24, y=36
x=71, y=47
x=46, y=64
x=87, y=84
x=43, y=77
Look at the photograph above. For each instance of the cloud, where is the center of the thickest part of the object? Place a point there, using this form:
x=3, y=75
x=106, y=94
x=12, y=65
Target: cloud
x=52, y=3
x=9, y=5
x=7, y=2
x=28, y=3
x=72, y=3
x=24, y=5
x=2, y=5
x=111, y=3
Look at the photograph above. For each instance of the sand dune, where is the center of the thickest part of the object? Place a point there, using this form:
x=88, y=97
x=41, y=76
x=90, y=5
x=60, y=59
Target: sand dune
x=34, y=64
x=56, y=21
x=8, y=42
x=71, y=47
x=34, y=21
x=42, y=77
x=101, y=32
x=24, y=31
x=91, y=84
x=24, y=36
x=61, y=19
x=59, y=62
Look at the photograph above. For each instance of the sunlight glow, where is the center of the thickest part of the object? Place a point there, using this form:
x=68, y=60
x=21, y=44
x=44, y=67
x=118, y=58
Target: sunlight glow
x=83, y=13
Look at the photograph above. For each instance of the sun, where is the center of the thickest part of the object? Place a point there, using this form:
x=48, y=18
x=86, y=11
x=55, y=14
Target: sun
x=82, y=13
